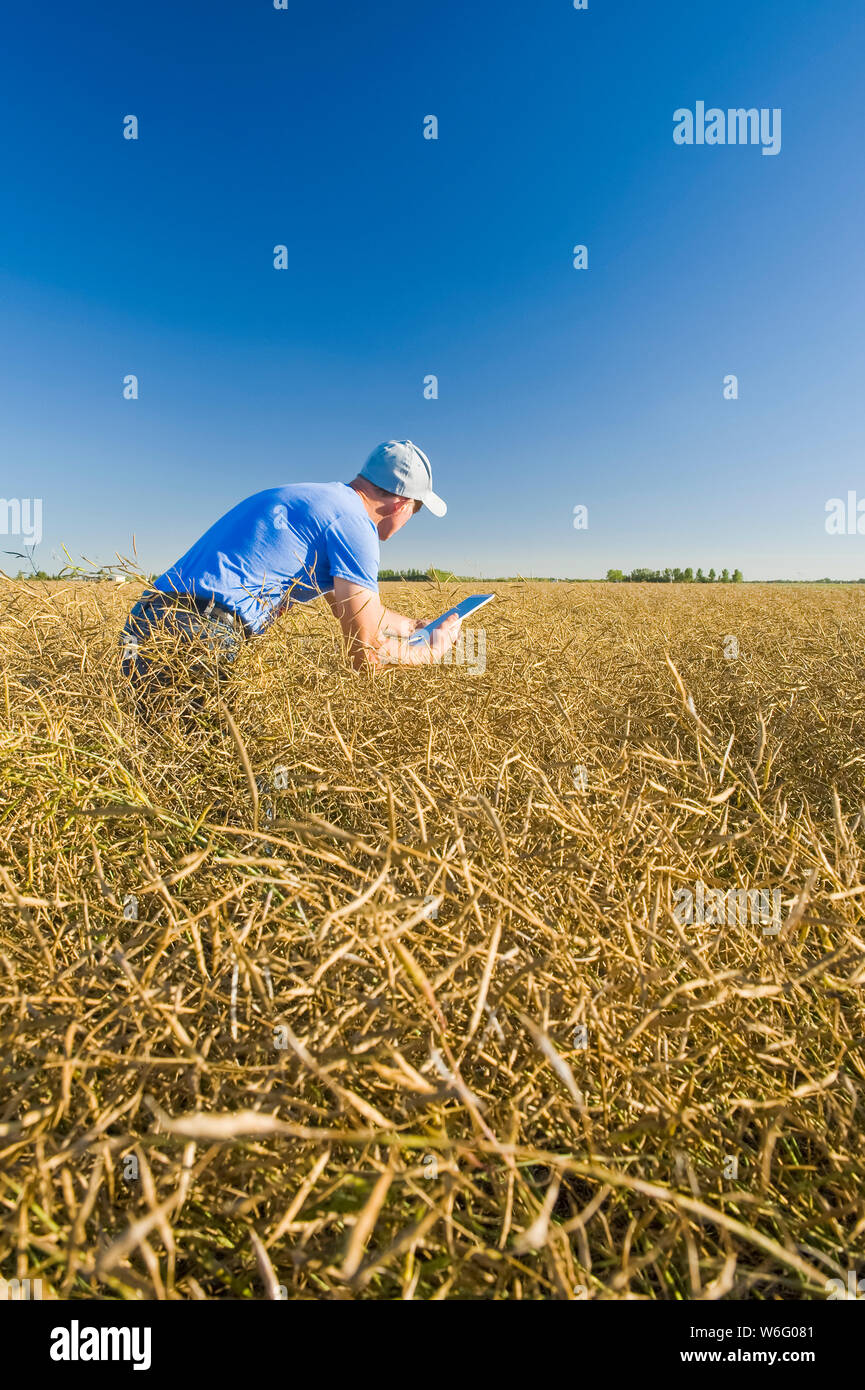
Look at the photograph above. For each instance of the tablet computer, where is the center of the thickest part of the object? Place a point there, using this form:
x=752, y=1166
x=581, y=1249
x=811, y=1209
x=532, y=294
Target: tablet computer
x=466, y=606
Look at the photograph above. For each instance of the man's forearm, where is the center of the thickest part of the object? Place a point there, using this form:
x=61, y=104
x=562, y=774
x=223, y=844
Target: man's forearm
x=375, y=636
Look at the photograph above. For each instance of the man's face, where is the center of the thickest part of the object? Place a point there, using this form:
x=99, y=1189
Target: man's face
x=399, y=512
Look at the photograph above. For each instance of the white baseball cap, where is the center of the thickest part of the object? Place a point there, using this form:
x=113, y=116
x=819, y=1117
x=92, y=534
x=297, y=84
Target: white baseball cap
x=402, y=468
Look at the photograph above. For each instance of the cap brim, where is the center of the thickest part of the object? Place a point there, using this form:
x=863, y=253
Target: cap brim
x=435, y=504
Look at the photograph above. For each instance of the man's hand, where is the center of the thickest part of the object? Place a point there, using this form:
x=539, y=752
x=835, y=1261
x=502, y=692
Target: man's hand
x=443, y=637
x=401, y=652
x=396, y=625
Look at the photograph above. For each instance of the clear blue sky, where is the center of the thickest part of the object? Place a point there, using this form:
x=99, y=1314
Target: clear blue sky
x=453, y=257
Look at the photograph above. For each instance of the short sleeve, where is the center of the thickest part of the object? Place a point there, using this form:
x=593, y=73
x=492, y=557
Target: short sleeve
x=353, y=551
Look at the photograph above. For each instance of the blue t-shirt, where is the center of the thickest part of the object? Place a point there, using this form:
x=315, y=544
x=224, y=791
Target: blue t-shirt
x=282, y=546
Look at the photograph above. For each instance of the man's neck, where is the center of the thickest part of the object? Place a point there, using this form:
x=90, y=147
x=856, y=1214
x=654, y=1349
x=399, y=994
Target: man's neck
x=374, y=509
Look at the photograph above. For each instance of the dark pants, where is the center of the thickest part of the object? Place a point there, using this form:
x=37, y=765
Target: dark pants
x=174, y=646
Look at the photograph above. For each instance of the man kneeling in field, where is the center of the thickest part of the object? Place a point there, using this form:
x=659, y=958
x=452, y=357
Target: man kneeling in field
x=283, y=546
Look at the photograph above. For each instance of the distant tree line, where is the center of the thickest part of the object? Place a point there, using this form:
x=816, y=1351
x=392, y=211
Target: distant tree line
x=410, y=576
x=69, y=573
x=418, y=576
x=447, y=577
x=64, y=574
x=674, y=576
